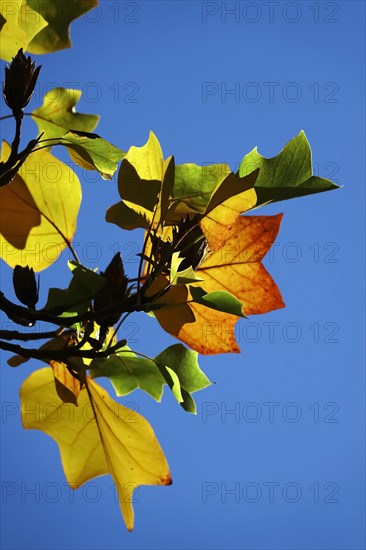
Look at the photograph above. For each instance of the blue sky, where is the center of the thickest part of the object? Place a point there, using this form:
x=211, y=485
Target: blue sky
x=274, y=458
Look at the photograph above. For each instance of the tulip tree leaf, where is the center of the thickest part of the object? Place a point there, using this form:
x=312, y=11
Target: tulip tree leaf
x=67, y=386
x=92, y=152
x=103, y=438
x=221, y=300
x=57, y=115
x=38, y=211
x=194, y=185
x=287, y=175
x=18, y=25
x=128, y=372
x=59, y=15
x=184, y=363
x=200, y=189
x=176, y=366
x=236, y=267
x=145, y=183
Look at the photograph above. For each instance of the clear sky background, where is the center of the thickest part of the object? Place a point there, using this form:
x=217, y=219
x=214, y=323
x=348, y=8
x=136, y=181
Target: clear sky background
x=274, y=458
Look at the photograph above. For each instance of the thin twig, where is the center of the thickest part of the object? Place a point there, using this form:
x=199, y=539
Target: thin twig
x=27, y=337
x=59, y=355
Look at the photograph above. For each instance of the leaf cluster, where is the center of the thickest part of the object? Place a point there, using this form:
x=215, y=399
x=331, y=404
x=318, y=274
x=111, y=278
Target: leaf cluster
x=200, y=265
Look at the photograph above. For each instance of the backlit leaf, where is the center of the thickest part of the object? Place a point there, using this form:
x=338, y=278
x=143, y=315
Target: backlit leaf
x=19, y=25
x=185, y=365
x=176, y=366
x=236, y=268
x=145, y=183
x=38, y=211
x=217, y=223
x=58, y=115
x=221, y=300
x=67, y=386
x=92, y=152
x=287, y=175
x=103, y=437
x=194, y=186
x=59, y=15
x=183, y=277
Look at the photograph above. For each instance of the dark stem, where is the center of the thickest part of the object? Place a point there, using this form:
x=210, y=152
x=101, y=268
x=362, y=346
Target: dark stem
x=59, y=355
x=15, y=335
x=18, y=132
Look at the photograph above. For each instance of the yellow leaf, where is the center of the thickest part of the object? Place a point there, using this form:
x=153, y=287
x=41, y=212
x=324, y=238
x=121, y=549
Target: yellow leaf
x=217, y=224
x=100, y=437
x=58, y=14
x=235, y=267
x=148, y=159
x=145, y=183
x=67, y=386
x=21, y=25
x=39, y=209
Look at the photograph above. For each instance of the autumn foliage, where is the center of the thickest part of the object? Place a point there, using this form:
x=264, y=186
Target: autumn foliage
x=200, y=266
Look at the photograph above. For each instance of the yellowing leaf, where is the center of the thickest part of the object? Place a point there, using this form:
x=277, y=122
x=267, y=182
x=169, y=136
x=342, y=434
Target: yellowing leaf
x=145, y=183
x=67, y=386
x=58, y=14
x=102, y=437
x=20, y=25
x=38, y=211
x=236, y=267
x=57, y=115
x=217, y=224
x=173, y=313
x=148, y=159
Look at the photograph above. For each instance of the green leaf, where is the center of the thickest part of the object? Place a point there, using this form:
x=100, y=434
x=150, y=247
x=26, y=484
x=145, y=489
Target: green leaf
x=56, y=36
x=76, y=299
x=194, y=185
x=184, y=363
x=18, y=25
x=175, y=366
x=57, y=115
x=92, y=152
x=127, y=372
x=219, y=300
x=201, y=189
x=286, y=176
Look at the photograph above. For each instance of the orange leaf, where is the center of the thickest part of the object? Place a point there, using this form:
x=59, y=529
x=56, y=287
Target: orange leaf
x=236, y=267
x=177, y=313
